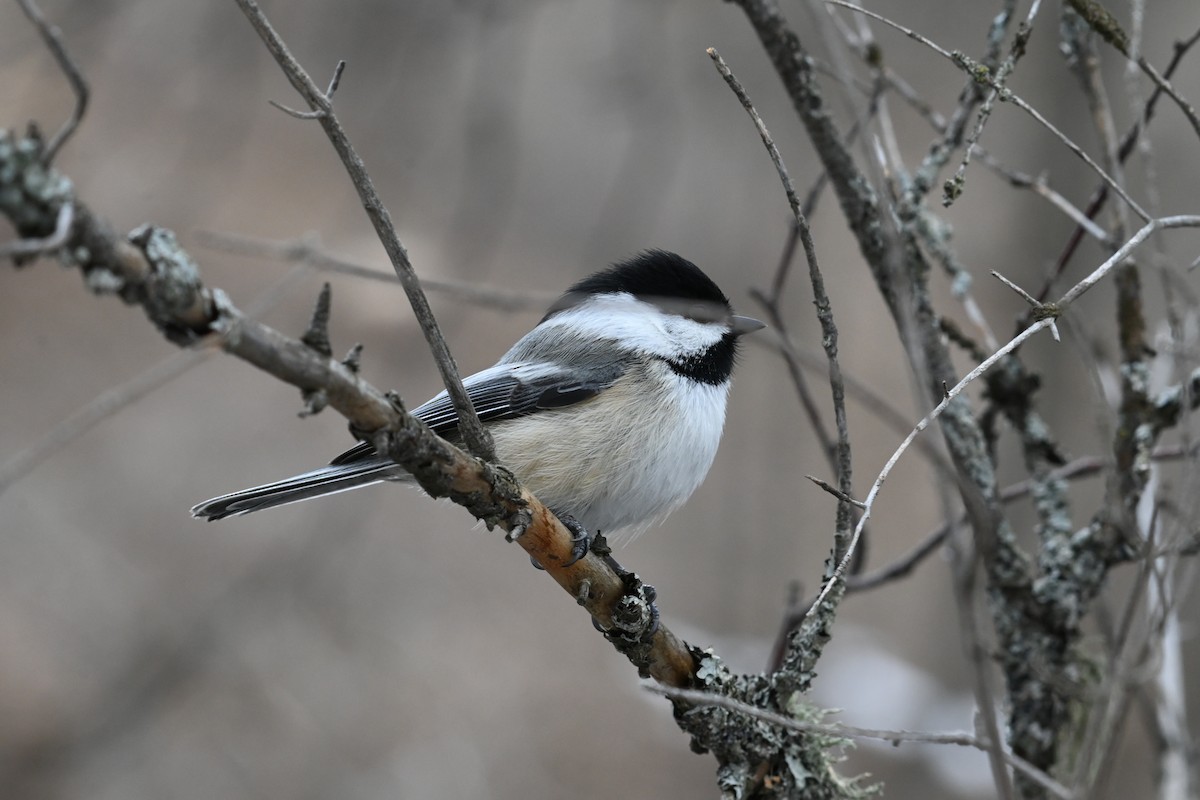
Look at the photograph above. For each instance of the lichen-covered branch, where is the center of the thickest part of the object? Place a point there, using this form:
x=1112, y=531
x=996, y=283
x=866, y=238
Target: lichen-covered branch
x=1036, y=612
x=148, y=268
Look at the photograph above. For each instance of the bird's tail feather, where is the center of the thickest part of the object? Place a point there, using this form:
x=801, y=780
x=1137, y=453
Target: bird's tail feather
x=319, y=482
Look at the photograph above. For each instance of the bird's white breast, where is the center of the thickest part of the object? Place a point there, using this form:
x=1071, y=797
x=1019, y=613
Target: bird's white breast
x=625, y=459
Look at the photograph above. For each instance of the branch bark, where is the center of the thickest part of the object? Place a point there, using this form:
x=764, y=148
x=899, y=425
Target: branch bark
x=150, y=269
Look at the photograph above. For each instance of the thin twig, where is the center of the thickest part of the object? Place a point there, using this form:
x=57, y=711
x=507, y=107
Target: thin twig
x=910, y=33
x=972, y=630
x=1113, y=184
x=698, y=698
x=968, y=66
x=779, y=324
x=24, y=248
x=875, y=403
x=1084, y=467
x=476, y=438
x=1162, y=83
x=740, y=92
x=836, y=492
x=1017, y=178
x=1106, y=26
x=1100, y=195
x=1026, y=296
x=296, y=113
x=1162, y=223
x=120, y=397
x=307, y=251
x=1055, y=308
x=902, y=566
x=842, y=548
x=954, y=186
x=786, y=259
x=771, y=304
x=825, y=315
x=54, y=41
x=1042, y=189
x=950, y=394
x=334, y=82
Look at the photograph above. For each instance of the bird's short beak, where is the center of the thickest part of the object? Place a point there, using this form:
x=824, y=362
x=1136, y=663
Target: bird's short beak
x=743, y=325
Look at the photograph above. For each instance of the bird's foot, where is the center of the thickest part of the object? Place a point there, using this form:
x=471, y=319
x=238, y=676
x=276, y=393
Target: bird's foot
x=580, y=541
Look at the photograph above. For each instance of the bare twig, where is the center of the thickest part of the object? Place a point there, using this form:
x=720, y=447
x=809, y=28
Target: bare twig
x=1026, y=296
x=836, y=492
x=1042, y=189
x=800, y=226
x=950, y=394
x=1050, y=311
x=122, y=396
x=304, y=250
x=1015, y=177
x=475, y=436
x=909, y=32
x=1106, y=25
x=902, y=566
x=740, y=92
x=1163, y=84
x=24, y=248
x=54, y=41
x=954, y=186
x=1163, y=223
x=1100, y=195
x=875, y=403
x=334, y=82
x=697, y=698
x=808, y=402
x=981, y=74
x=1084, y=467
x=148, y=267
x=101, y=407
x=845, y=516
x=973, y=633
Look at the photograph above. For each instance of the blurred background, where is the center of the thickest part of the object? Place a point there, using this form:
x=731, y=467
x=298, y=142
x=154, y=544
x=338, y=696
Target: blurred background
x=374, y=644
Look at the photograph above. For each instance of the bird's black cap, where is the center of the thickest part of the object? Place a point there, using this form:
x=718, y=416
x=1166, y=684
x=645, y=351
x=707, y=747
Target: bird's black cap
x=654, y=274
x=664, y=279
x=676, y=285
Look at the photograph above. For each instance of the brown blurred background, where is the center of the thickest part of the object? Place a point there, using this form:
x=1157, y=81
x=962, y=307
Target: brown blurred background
x=372, y=644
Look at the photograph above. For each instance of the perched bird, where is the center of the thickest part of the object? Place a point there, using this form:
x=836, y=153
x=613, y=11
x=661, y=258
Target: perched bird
x=610, y=410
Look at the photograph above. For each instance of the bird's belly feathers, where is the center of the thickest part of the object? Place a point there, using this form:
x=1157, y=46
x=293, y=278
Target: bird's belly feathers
x=618, y=462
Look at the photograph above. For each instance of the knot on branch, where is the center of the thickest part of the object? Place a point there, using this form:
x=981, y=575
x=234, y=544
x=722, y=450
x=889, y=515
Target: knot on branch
x=634, y=622
x=353, y=358
x=502, y=504
x=316, y=338
x=171, y=290
x=31, y=192
x=756, y=739
x=489, y=491
x=317, y=334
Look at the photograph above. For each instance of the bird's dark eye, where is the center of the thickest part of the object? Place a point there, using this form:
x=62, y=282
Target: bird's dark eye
x=698, y=311
x=708, y=312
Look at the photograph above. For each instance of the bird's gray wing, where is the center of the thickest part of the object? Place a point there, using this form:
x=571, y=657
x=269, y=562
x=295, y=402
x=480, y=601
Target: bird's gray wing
x=506, y=391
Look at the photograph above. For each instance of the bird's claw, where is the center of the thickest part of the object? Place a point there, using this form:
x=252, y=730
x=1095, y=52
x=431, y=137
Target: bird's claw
x=580, y=541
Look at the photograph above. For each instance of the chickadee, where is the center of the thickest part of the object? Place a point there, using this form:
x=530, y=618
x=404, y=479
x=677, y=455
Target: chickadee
x=609, y=411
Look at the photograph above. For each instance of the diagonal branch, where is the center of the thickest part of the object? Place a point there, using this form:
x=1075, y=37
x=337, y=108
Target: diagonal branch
x=149, y=269
x=476, y=437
